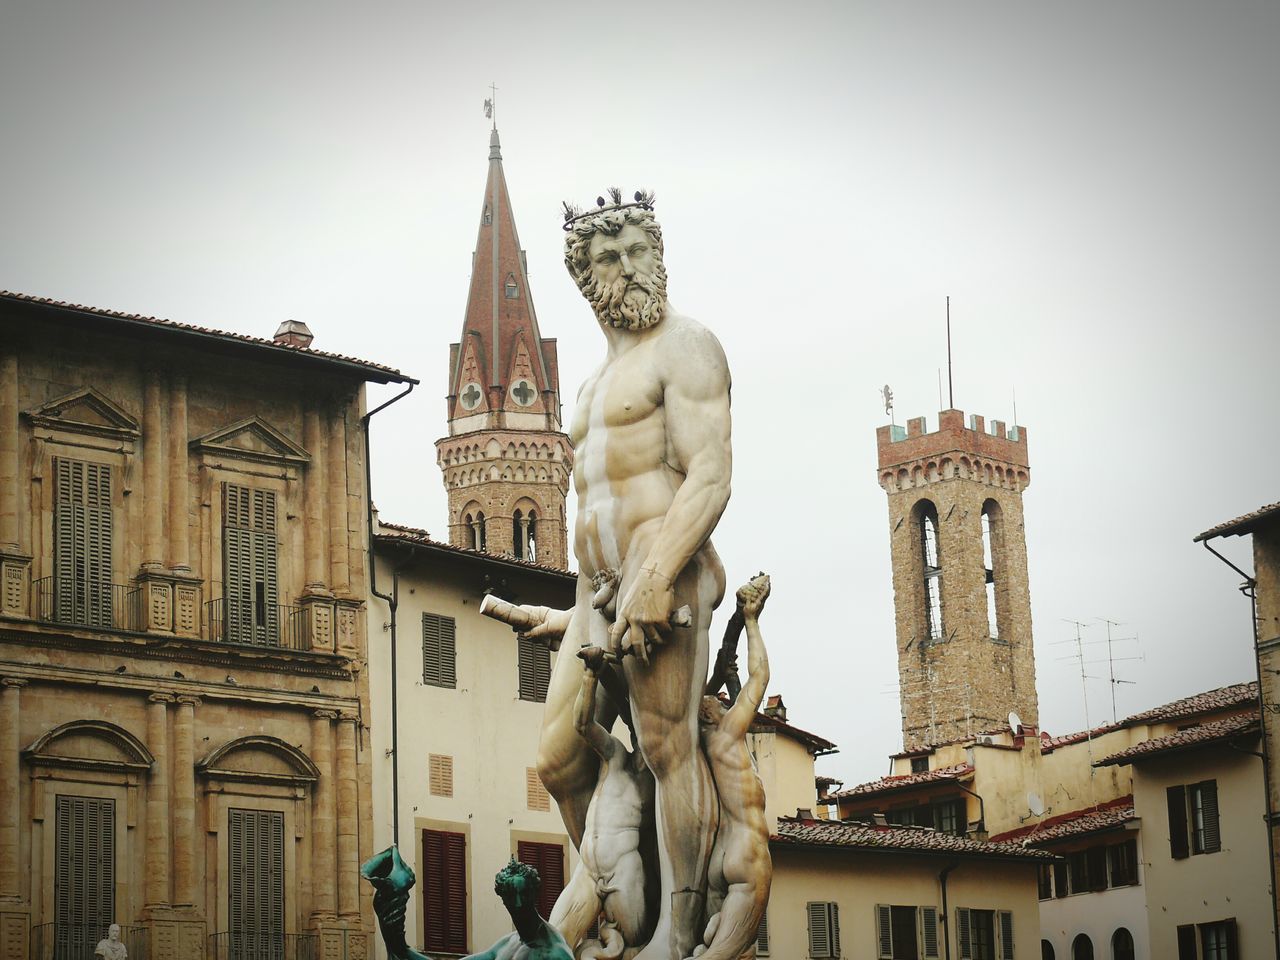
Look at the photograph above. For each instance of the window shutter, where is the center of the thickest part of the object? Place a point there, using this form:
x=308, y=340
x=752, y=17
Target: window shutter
x=1060, y=886
x=250, y=581
x=440, y=775
x=1233, y=944
x=82, y=538
x=1097, y=857
x=255, y=839
x=535, y=670
x=884, y=931
x=548, y=860
x=1177, y=801
x=444, y=890
x=1006, y=934
x=536, y=796
x=265, y=566
x=1186, y=935
x=97, y=534
x=762, y=934
x=833, y=924
x=929, y=932
x=819, y=931
x=85, y=866
x=439, y=651
x=964, y=941
x=1209, y=808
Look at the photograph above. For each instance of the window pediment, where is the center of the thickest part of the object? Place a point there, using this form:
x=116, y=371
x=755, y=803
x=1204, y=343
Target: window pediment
x=90, y=744
x=262, y=759
x=86, y=411
x=252, y=439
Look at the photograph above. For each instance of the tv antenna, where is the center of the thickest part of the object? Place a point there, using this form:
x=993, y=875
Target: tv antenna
x=1111, y=662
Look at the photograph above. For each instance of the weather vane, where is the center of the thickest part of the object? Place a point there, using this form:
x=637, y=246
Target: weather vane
x=888, y=401
x=491, y=105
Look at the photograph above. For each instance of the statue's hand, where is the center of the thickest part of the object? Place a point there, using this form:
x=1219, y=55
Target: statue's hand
x=551, y=629
x=593, y=657
x=751, y=596
x=644, y=615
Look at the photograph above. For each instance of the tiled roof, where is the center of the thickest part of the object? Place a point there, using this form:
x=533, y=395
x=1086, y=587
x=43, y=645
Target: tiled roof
x=394, y=533
x=1223, y=698
x=1205, y=733
x=383, y=373
x=863, y=836
x=961, y=771
x=1241, y=525
x=1077, y=823
x=818, y=746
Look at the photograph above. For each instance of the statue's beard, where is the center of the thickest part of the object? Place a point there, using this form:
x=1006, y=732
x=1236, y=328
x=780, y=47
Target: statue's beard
x=630, y=303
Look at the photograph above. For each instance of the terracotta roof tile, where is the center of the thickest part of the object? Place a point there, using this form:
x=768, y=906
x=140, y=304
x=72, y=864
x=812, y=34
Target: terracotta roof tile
x=394, y=533
x=862, y=836
x=390, y=373
x=1066, y=826
x=818, y=746
x=1205, y=733
x=961, y=771
x=1241, y=525
x=1223, y=698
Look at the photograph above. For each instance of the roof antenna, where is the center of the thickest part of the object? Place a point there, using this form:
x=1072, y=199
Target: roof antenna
x=491, y=106
x=951, y=393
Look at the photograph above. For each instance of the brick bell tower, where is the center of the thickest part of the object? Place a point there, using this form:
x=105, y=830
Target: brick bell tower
x=965, y=657
x=506, y=461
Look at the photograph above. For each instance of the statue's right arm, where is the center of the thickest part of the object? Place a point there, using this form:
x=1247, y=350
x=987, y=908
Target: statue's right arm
x=743, y=712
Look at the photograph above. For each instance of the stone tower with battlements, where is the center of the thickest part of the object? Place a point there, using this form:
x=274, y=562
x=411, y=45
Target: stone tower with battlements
x=506, y=460
x=965, y=657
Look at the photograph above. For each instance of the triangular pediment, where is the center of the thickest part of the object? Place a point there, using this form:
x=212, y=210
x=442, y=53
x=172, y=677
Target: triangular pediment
x=86, y=411
x=252, y=439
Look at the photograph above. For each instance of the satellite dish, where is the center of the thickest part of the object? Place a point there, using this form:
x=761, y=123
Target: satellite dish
x=1035, y=804
x=1015, y=722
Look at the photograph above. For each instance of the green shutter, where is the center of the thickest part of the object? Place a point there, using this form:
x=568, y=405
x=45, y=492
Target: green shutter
x=84, y=881
x=884, y=931
x=534, y=664
x=256, y=884
x=250, y=583
x=929, y=932
x=1208, y=790
x=1176, y=800
x=964, y=939
x=82, y=539
x=833, y=924
x=439, y=651
x=1006, y=934
x=819, y=931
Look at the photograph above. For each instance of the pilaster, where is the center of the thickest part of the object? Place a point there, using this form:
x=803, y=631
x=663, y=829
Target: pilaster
x=348, y=819
x=9, y=484
x=184, y=803
x=157, y=857
x=315, y=494
x=323, y=849
x=153, y=548
x=179, y=477
x=10, y=783
x=339, y=558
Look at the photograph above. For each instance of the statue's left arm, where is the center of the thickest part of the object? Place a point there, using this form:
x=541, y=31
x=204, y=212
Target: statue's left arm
x=696, y=409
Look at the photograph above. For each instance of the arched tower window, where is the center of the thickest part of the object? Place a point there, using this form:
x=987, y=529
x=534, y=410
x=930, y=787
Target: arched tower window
x=990, y=534
x=524, y=535
x=931, y=567
x=1121, y=944
x=477, y=532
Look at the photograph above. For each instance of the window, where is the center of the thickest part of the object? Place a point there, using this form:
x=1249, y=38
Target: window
x=948, y=817
x=1193, y=819
x=1187, y=942
x=1044, y=882
x=535, y=669
x=84, y=884
x=1122, y=945
x=250, y=590
x=439, y=651
x=509, y=288
x=439, y=775
x=929, y=557
x=548, y=860
x=1124, y=863
x=536, y=796
x=1082, y=948
x=824, y=929
x=524, y=535
x=444, y=890
x=919, y=764
x=984, y=934
x=990, y=518
x=475, y=526
x=1078, y=867
x=1046, y=950
x=1060, y=887
x=762, y=934
x=1097, y=857
x=906, y=933
x=255, y=916
x=1218, y=941
x=82, y=538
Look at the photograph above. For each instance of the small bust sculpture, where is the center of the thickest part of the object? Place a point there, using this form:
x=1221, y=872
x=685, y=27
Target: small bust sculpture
x=111, y=948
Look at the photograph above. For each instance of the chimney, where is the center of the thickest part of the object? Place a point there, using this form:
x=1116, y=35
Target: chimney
x=293, y=333
x=776, y=708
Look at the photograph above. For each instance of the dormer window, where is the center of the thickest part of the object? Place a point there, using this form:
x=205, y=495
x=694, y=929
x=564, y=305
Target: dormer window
x=511, y=291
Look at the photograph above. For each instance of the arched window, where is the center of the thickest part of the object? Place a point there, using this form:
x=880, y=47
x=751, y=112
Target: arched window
x=1122, y=945
x=932, y=569
x=990, y=536
x=470, y=521
x=524, y=529
x=1046, y=950
x=478, y=539
x=1082, y=948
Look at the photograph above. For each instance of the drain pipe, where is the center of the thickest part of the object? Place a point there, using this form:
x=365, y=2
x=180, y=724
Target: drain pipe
x=1250, y=589
x=946, y=920
x=391, y=600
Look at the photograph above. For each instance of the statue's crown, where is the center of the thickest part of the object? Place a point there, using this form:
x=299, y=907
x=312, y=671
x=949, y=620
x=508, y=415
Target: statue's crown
x=573, y=213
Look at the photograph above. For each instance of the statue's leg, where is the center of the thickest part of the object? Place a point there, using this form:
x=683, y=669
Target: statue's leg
x=566, y=765
x=664, y=700
x=627, y=906
x=577, y=906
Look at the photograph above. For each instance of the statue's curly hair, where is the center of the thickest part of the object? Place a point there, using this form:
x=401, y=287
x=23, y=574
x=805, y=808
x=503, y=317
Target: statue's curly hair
x=577, y=242
x=515, y=870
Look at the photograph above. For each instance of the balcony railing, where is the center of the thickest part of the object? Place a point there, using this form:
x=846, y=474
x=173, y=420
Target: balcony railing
x=246, y=945
x=261, y=624
x=88, y=603
x=61, y=941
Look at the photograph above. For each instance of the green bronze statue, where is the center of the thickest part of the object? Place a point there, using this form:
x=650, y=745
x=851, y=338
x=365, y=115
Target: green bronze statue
x=516, y=883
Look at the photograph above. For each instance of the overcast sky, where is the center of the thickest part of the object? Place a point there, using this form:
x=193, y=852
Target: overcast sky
x=1093, y=184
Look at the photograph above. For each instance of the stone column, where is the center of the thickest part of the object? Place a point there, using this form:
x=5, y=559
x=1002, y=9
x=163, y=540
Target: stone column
x=348, y=819
x=157, y=852
x=314, y=528
x=10, y=873
x=184, y=802
x=9, y=452
x=323, y=858
x=339, y=560
x=153, y=473
x=179, y=482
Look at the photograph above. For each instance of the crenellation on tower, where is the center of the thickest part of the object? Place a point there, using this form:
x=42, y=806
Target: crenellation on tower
x=961, y=595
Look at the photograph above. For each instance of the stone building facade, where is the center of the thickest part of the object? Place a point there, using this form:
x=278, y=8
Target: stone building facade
x=506, y=459
x=962, y=602
x=183, y=693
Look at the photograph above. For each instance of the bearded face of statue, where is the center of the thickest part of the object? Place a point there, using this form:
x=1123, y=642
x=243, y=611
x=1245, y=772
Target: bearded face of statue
x=627, y=283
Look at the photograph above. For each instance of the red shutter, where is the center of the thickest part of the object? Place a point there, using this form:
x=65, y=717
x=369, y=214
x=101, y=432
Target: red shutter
x=1177, y=800
x=444, y=890
x=548, y=860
